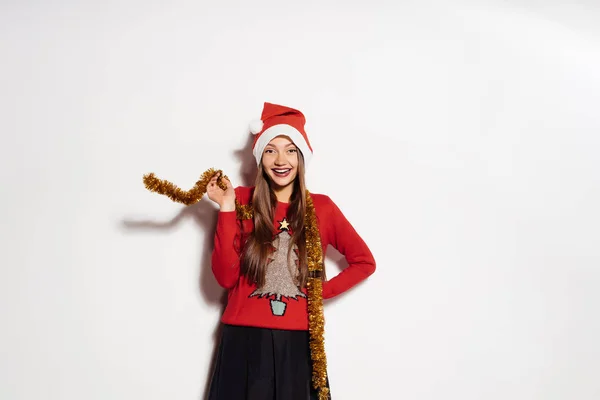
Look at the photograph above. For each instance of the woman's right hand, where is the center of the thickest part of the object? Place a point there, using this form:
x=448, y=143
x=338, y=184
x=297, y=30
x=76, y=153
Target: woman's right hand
x=224, y=198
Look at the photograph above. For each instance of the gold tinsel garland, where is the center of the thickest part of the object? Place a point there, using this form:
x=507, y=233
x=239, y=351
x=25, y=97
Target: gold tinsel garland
x=195, y=194
x=316, y=319
x=178, y=195
x=314, y=255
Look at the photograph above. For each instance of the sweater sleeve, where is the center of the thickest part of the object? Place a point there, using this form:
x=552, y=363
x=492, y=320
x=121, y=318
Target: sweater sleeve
x=226, y=256
x=344, y=238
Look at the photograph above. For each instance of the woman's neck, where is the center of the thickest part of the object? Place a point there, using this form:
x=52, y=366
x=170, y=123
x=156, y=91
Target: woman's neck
x=284, y=194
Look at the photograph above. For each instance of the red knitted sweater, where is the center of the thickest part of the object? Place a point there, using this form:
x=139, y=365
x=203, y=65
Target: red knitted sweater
x=280, y=303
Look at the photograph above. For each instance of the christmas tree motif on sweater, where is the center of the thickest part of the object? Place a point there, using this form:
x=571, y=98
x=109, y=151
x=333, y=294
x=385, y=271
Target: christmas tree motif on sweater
x=281, y=277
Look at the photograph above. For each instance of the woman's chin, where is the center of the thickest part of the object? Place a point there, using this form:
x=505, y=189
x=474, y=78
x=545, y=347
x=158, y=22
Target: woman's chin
x=280, y=183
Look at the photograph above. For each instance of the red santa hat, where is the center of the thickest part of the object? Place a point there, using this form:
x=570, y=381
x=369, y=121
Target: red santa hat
x=279, y=120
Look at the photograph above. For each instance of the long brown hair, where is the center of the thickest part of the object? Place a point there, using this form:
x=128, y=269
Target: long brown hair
x=259, y=245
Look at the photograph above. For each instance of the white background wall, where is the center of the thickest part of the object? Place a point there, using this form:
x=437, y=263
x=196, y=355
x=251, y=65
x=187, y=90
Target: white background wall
x=461, y=139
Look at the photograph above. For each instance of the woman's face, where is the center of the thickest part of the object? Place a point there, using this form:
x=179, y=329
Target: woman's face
x=280, y=162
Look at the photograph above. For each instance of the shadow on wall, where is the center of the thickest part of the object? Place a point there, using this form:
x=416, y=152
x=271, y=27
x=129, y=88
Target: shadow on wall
x=248, y=167
x=205, y=217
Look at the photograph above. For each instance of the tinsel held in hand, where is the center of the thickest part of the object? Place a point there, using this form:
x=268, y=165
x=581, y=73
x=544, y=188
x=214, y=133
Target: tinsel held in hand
x=314, y=255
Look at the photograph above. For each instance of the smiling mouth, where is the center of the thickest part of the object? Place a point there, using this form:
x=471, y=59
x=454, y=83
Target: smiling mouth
x=281, y=171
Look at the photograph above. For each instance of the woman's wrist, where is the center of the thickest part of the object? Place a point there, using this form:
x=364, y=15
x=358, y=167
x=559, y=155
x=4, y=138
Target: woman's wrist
x=227, y=207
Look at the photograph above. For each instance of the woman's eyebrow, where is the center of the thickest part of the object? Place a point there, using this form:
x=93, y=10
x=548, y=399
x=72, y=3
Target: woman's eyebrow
x=274, y=147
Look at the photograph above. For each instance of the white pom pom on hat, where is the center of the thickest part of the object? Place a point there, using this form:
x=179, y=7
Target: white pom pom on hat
x=256, y=126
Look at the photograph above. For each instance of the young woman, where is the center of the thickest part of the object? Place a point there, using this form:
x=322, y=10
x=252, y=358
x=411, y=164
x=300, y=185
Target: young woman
x=264, y=263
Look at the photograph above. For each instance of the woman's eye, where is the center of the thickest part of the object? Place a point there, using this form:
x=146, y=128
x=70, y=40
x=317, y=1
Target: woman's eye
x=293, y=150
x=269, y=151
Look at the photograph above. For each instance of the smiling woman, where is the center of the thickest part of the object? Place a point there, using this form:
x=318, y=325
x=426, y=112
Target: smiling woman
x=272, y=265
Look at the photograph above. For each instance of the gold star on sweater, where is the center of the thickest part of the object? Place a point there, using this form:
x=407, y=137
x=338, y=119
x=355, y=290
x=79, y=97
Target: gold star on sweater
x=284, y=225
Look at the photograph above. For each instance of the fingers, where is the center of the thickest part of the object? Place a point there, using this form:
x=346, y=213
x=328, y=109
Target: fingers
x=227, y=182
x=213, y=181
x=219, y=176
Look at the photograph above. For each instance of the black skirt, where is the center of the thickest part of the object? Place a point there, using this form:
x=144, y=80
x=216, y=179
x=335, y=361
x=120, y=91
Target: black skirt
x=262, y=364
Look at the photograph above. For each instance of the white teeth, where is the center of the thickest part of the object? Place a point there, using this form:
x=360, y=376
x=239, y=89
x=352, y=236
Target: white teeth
x=281, y=171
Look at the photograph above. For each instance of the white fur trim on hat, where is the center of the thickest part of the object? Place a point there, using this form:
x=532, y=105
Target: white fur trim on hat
x=278, y=130
x=256, y=126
